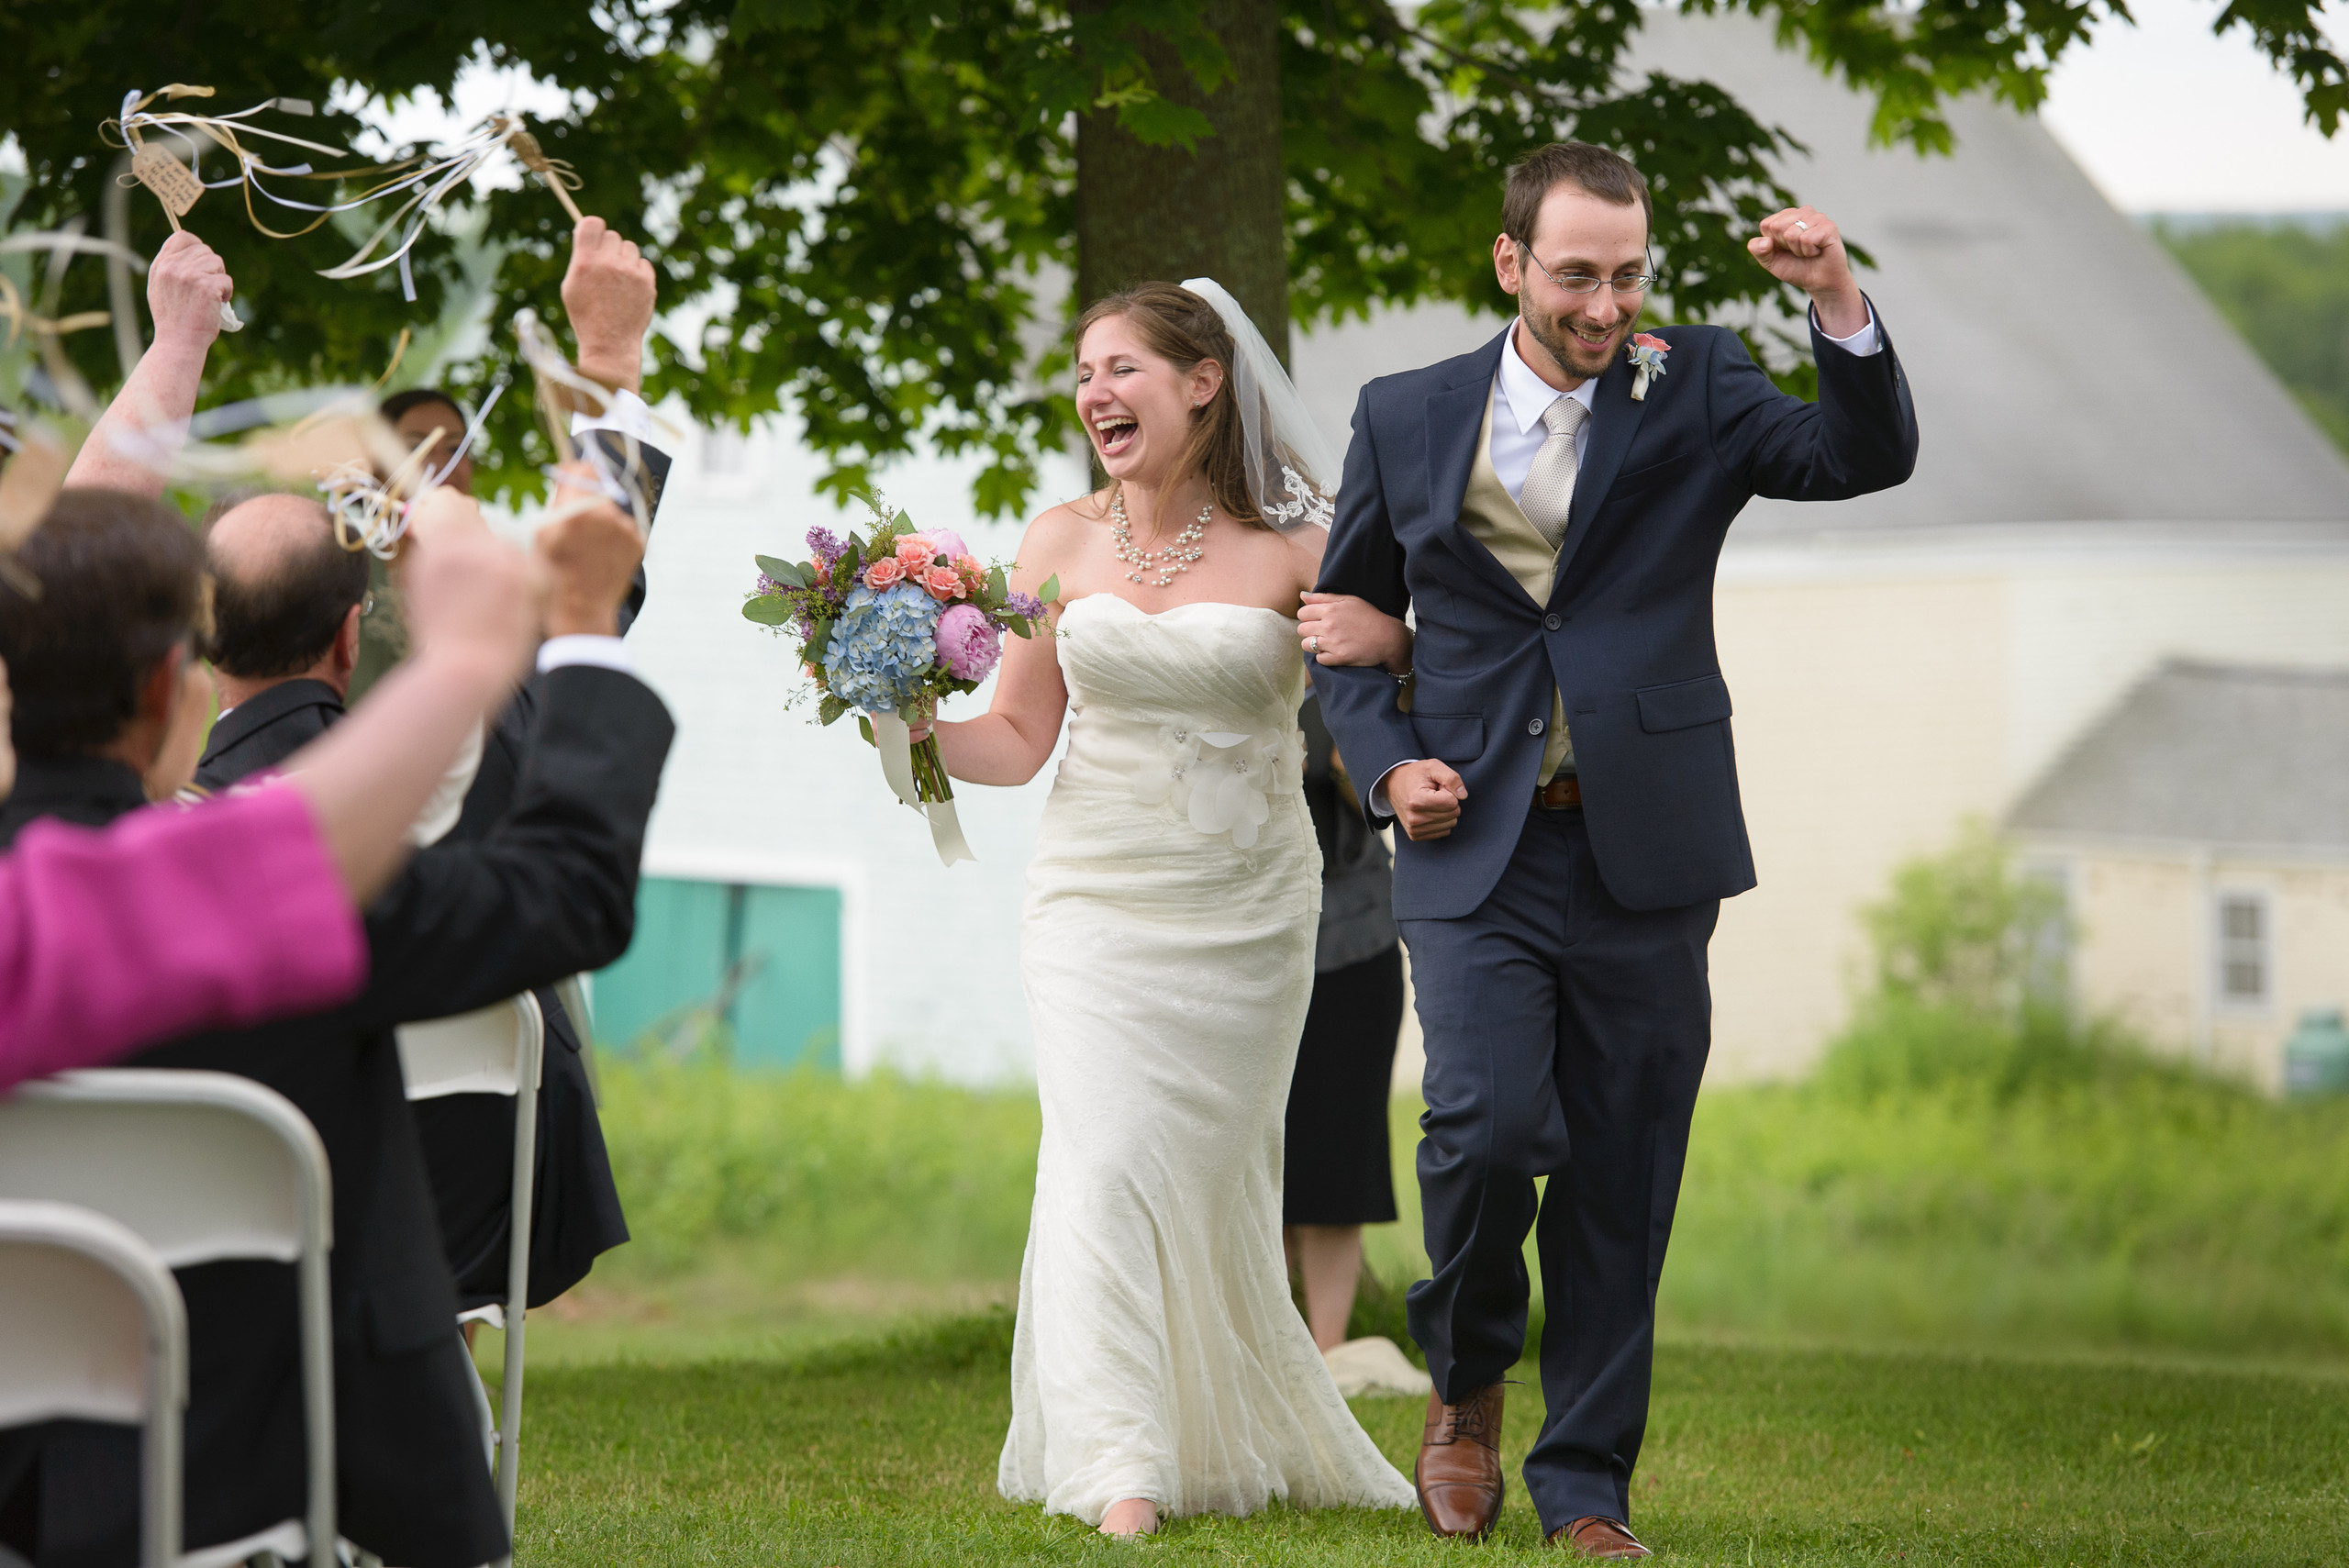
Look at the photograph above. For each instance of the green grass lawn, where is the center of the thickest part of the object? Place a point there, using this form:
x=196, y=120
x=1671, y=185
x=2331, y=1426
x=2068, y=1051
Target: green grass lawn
x=1972, y=1295
x=883, y=1451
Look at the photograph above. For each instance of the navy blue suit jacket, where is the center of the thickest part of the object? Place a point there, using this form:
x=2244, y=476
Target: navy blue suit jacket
x=1626, y=634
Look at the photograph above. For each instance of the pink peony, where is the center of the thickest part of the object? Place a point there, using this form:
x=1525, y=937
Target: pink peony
x=882, y=572
x=946, y=541
x=943, y=582
x=968, y=643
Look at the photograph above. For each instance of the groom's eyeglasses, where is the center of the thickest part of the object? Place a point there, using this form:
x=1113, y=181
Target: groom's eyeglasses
x=1583, y=282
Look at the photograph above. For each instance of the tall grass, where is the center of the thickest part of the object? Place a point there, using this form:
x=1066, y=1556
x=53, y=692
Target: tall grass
x=1969, y=1166
x=888, y=1177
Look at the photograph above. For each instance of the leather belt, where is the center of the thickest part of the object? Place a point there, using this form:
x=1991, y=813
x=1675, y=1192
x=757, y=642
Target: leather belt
x=1561, y=794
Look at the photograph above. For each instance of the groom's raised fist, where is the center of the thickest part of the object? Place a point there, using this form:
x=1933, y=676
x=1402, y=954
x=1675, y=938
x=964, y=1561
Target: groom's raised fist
x=1426, y=797
x=1802, y=246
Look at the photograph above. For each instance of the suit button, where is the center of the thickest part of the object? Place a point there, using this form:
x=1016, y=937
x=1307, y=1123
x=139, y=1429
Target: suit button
x=1533, y=726
x=1553, y=622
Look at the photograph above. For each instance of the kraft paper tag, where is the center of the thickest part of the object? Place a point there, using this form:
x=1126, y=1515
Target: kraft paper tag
x=173, y=184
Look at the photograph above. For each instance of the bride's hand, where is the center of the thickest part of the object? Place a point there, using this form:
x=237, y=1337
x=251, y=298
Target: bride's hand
x=1338, y=629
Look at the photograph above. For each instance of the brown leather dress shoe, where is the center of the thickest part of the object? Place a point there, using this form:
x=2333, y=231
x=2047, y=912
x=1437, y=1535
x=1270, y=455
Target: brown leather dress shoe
x=1595, y=1535
x=1459, y=1471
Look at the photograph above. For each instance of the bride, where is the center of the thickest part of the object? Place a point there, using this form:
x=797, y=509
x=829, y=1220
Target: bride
x=1159, y=1367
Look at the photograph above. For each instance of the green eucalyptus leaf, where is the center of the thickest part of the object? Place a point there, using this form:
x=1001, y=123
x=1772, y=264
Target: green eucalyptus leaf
x=782, y=571
x=767, y=609
x=864, y=727
x=996, y=586
x=828, y=708
x=1050, y=591
x=1021, y=624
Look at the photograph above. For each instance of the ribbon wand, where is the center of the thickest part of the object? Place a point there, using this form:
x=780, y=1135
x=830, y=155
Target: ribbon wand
x=560, y=177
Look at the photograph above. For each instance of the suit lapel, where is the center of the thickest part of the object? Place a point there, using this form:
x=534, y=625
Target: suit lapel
x=1614, y=421
x=1455, y=420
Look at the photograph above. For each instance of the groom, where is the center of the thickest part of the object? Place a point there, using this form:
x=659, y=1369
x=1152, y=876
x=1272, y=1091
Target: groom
x=1563, y=775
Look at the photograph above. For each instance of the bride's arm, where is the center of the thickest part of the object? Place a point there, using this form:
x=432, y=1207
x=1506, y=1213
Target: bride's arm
x=1338, y=629
x=1014, y=739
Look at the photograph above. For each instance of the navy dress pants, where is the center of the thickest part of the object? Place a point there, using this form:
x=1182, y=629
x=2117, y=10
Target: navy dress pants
x=1565, y=1036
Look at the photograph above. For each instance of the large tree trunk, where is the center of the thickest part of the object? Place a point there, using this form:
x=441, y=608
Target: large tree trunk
x=1148, y=213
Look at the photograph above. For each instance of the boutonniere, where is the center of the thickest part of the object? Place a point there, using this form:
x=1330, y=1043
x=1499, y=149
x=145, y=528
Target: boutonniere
x=1647, y=351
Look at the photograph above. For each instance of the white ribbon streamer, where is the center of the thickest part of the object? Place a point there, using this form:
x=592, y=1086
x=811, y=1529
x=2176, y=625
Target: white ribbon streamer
x=895, y=742
x=946, y=833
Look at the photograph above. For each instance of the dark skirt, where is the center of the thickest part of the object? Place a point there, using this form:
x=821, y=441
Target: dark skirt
x=469, y=1153
x=1339, y=1169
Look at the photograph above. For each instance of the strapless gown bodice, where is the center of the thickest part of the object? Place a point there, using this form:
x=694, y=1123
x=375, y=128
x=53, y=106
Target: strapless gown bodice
x=1194, y=708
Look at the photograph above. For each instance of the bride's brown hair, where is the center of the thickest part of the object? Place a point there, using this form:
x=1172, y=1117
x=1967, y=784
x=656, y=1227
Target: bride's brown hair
x=1184, y=329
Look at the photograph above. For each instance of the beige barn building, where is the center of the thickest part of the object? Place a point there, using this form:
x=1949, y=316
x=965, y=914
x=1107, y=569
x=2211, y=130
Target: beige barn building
x=2109, y=482
x=2200, y=831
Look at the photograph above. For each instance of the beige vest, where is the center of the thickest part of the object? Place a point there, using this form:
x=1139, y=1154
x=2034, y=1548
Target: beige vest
x=1493, y=520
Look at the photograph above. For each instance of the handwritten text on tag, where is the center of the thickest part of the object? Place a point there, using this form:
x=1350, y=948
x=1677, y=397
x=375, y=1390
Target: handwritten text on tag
x=169, y=178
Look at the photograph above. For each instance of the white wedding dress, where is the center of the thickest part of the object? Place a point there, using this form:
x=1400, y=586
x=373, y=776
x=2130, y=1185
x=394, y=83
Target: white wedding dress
x=1167, y=952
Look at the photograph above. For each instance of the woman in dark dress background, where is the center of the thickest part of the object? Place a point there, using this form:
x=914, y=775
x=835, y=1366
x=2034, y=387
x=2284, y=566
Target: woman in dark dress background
x=1339, y=1172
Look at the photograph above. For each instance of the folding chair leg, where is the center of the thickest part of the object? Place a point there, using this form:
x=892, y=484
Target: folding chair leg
x=518, y=1284
x=481, y=1404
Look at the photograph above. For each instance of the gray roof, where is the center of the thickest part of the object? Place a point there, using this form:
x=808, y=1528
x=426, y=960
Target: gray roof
x=2064, y=369
x=2216, y=754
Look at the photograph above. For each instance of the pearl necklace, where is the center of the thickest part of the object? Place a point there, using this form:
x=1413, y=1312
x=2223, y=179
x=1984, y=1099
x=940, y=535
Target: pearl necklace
x=1178, y=556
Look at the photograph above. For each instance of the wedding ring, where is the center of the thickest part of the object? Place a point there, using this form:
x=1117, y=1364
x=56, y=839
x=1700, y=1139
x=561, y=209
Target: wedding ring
x=1800, y=224
x=1313, y=645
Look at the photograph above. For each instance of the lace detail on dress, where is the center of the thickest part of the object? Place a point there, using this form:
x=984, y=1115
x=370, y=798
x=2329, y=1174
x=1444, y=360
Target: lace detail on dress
x=1222, y=780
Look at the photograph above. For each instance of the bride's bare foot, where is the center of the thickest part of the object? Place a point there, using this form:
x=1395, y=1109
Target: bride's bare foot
x=1130, y=1517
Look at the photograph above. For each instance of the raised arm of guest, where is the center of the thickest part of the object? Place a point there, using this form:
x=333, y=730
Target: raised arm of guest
x=609, y=292
x=147, y=421
x=244, y=908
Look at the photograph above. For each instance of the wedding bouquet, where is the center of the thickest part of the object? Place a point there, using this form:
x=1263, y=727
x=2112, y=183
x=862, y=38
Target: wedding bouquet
x=887, y=627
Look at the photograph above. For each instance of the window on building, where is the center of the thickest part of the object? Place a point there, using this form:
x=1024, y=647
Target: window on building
x=2246, y=950
x=2048, y=933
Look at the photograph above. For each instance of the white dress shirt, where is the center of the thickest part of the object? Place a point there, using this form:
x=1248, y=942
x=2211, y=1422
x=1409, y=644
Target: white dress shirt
x=1521, y=398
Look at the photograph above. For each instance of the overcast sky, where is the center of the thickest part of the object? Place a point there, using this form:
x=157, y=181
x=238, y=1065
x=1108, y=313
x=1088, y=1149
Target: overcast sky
x=2167, y=118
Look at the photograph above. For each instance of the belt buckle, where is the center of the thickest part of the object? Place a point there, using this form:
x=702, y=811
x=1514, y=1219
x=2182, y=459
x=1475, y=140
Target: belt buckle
x=1561, y=794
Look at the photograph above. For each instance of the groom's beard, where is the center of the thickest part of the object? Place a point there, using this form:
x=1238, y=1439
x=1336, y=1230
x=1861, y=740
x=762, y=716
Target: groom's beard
x=1577, y=357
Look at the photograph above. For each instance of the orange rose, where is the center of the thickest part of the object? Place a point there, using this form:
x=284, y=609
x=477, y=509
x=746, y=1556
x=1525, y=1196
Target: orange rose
x=882, y=572
x=913, y=554
x=944, y=583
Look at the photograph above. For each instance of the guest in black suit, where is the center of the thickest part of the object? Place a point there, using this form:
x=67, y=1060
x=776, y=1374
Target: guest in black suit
x=608, y=296
x=548, y=892
x=1566, y=787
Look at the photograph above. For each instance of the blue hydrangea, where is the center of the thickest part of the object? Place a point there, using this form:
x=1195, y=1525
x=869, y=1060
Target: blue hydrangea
x=883, y=647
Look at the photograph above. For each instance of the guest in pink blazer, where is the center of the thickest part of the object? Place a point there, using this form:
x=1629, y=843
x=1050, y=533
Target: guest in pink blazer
x=246, y=909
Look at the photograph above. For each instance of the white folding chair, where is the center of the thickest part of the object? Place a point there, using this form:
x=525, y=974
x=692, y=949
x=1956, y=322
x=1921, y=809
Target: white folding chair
x=92, y=1328
x=200, y=1166
x=497, y=1050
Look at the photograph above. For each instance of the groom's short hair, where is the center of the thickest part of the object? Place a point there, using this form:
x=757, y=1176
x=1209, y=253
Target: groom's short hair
x=1609, y=176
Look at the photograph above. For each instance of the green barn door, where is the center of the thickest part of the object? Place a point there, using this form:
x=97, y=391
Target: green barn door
x=764, y=960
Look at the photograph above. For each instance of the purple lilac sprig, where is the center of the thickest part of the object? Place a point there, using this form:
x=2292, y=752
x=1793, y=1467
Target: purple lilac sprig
x=1025, y=606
